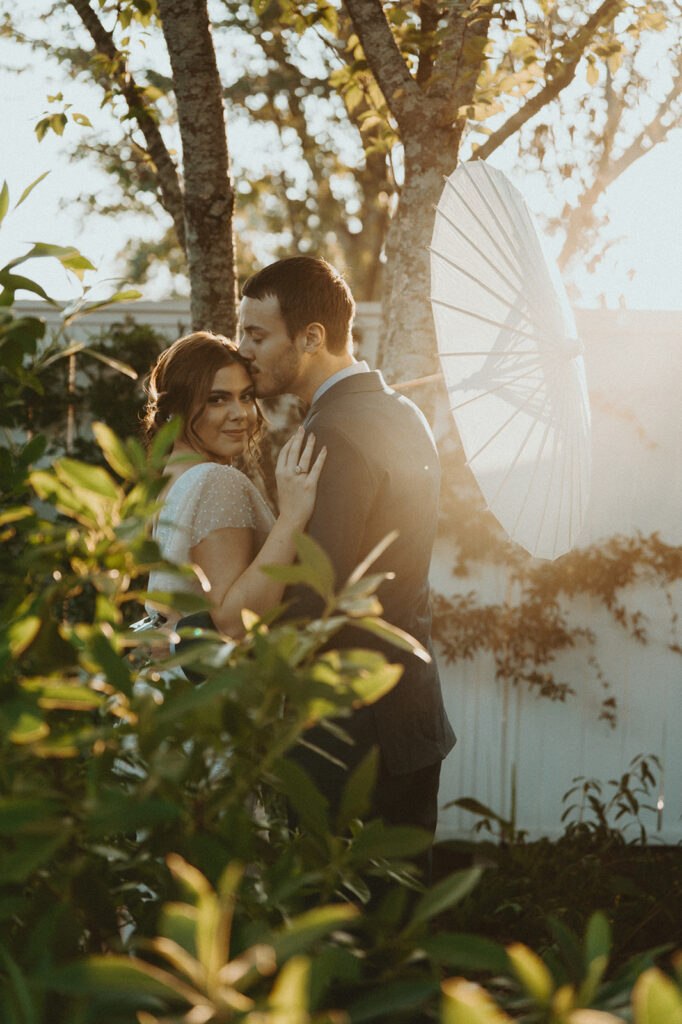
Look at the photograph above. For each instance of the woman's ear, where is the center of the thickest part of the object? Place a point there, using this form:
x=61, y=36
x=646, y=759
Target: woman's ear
x=315, y=338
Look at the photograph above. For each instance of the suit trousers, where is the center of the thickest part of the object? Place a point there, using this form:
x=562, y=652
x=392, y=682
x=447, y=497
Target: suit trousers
x=404, y=799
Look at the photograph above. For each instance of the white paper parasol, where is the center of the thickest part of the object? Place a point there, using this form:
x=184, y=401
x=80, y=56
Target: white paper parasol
x=511, y=360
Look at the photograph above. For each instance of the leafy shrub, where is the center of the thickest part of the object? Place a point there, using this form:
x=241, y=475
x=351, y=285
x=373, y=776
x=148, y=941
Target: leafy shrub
x=121, y=780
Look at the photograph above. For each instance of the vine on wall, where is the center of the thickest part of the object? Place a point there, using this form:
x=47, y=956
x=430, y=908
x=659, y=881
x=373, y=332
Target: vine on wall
x=526, y=634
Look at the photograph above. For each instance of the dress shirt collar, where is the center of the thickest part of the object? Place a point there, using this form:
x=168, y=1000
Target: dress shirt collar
x=347, y=371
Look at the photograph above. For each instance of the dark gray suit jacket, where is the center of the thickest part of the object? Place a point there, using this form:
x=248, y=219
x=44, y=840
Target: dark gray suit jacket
x=382, y=474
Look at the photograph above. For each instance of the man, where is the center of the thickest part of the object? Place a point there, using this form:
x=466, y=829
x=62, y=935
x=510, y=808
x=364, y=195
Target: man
x=381, y=474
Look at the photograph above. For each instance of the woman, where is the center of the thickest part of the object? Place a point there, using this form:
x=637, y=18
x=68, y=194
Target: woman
x=212, y=514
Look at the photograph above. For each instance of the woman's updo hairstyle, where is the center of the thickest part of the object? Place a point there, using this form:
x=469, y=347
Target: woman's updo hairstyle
x=180, y=382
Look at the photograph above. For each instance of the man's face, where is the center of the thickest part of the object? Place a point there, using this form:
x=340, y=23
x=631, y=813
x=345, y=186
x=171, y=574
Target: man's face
x=274, y=358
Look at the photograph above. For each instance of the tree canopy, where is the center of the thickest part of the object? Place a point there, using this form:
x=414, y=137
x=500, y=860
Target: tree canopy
x=347, y=117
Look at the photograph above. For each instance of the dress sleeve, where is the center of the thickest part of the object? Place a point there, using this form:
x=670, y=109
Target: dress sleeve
x=227, y=498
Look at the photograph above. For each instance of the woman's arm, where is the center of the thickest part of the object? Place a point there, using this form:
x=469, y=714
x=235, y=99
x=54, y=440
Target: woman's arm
x=226, y=555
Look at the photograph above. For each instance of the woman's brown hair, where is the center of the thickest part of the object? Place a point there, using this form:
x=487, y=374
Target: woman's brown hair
x=180, y=382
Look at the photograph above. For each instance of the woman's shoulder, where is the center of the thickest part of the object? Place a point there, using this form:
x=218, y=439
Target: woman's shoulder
x=204, y=473
x=223, y=496
x=228, y=477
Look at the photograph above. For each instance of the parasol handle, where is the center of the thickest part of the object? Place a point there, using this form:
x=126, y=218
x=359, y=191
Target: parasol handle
x=404, y=385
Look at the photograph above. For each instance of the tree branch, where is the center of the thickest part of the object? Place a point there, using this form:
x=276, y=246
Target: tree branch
x=580, y=218
x=605, y=13
x=170, y=190
x=401, y=92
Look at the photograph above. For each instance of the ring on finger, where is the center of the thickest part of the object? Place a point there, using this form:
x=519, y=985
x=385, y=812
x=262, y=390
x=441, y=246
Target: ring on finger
x=298, y=469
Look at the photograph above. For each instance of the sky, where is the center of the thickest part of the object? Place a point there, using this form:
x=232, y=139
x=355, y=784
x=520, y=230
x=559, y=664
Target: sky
x=642, y=271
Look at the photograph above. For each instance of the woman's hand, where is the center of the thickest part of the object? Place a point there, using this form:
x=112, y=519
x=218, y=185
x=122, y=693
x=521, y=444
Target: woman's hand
x=297, y=479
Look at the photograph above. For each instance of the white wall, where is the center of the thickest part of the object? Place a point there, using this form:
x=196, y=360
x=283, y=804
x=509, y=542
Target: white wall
x=634, y=369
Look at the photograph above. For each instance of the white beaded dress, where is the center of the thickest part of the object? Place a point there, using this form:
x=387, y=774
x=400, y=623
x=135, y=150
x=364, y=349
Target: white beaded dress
x=203, y=499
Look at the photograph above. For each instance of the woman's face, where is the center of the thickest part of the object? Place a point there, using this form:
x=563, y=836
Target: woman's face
x=229, y=416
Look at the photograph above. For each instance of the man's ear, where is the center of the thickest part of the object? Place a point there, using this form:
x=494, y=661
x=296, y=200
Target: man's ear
x=315, y=338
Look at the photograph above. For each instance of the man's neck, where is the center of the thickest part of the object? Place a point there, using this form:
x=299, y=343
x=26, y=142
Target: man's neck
x=321, y=370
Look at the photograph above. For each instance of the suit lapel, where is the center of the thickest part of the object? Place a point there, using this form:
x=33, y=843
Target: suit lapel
x=372, y=381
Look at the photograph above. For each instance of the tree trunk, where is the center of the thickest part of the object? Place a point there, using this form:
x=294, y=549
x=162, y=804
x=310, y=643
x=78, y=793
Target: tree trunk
x=408, y=345
x=209, y=189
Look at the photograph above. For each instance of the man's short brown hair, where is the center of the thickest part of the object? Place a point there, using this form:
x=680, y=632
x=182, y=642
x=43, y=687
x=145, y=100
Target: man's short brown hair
x=309, y=290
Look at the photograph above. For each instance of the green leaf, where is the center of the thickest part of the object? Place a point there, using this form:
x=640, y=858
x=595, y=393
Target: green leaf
x=356, y=800
x=376, y=551
x=392, y=999
x=446, y=894
x=29, y=188
x=49, y=488
x=54, y=693
x=62, y=353
x=115, y=668
x=214, y=919
x=392, y=842
x=114, y=364
x=41, y=128
x=305, y=798
x=320, y=568
x=27, y=727
x=33, y=450
x=467, y=803
x=4, y=201
x=17, y=282
x=467, y=1003
x=19, y=990
x=16, y=813
x=304, y=931
x=127, y=296
x=190, y=877
x=593, y=976
x=69, y=257
x=597, y=938
x=29, y=854
x=178, y=922
x=114, y=451
x=111, y=975
x=362, y=588
x=372, y=680
x=180, y=601
x=656, y=999
x=121, y=812
x=22, y=633
x=394, y=635
x=89, y=478
x=163, y=442
x=289, y=995
x=15, y=515
x=532, y=972
x=290, y=575
x=568, y=944
x=466, y=952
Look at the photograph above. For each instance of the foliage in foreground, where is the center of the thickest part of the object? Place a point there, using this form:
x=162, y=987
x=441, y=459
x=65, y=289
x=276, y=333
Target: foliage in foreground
x=120, y=780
